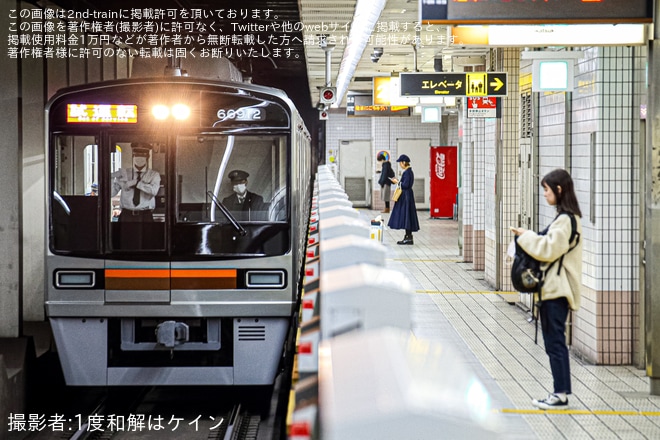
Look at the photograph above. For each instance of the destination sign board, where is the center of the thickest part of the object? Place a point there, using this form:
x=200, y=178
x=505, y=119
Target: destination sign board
x=102, y=113
x=453, y=84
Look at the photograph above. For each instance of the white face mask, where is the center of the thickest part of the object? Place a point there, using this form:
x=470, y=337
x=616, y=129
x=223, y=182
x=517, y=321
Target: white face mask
x=240, y=188
x=139, y=162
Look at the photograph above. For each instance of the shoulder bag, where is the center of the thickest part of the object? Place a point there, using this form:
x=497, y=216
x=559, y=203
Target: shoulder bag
x=397, y=192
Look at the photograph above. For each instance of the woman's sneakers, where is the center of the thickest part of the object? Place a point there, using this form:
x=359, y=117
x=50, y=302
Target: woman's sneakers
x=553, y=401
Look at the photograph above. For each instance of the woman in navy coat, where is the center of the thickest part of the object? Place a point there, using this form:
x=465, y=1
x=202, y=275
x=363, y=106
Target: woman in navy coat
x=404, y=213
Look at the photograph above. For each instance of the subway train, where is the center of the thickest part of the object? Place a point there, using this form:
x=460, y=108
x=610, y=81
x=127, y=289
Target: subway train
x=177, y=212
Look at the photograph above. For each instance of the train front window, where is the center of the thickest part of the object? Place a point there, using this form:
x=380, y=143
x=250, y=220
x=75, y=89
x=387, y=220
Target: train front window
x=231, y=194
x=137, y=188
x=246, y=174
x=74, y=206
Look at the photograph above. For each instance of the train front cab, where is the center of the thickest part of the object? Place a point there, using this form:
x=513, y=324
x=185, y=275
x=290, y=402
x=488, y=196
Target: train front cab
x=196, y=293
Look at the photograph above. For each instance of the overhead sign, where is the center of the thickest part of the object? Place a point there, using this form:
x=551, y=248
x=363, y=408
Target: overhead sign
x=453, y=84
x=361, y=105
x=531, y=11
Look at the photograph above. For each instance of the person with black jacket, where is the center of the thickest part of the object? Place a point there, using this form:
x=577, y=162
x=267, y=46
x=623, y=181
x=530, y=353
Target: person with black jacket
x=386, y=173
x=244, y=205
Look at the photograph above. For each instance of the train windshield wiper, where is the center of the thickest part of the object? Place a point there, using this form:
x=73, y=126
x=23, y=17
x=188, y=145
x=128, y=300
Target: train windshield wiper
x=58, y=198
x=241, y=230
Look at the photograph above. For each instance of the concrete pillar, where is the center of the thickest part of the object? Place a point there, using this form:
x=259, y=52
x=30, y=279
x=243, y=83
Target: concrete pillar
x=652, y=203
x=10, y=191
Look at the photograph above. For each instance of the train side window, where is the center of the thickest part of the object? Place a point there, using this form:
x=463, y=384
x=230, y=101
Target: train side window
x=74, y=203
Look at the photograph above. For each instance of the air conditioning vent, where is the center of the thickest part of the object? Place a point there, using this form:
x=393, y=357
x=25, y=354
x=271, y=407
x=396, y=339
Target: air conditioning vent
x=251, y=333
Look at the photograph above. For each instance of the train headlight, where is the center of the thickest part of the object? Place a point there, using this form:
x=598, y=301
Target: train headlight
x=180, y=111
x=259, y=279
x=160, y=112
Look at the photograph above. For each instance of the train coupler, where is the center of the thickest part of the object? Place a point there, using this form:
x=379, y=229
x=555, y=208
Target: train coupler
x=172, y=333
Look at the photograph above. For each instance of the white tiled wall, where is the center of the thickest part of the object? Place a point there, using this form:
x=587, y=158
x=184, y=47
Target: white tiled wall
x=609, y=86
x=383, y=133
x=605, y=104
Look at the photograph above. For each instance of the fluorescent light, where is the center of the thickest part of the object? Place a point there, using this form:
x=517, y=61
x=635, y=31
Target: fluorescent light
x=567, y=35
x=364, y=20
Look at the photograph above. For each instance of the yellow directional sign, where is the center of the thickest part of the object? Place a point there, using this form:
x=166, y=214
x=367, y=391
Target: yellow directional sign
x=476, y=84
x=453, y=84
x=496, y=84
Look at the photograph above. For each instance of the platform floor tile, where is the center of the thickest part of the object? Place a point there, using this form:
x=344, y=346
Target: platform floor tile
x=454, y=305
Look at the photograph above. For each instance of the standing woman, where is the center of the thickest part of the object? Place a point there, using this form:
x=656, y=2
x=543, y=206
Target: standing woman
x=404, y=213
x=561, y=287
x=386, y=173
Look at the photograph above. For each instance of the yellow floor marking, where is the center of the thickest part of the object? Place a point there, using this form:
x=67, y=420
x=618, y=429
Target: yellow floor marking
x=462, y=292
x=586, y=412
x=424, y=261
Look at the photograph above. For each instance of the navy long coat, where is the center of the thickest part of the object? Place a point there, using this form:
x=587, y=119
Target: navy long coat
x=404, y=213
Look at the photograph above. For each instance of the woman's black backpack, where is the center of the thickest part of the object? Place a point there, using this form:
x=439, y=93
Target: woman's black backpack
x=526, y=273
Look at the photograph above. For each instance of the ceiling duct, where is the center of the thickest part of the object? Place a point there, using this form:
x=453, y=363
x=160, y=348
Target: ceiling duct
x=458, y=60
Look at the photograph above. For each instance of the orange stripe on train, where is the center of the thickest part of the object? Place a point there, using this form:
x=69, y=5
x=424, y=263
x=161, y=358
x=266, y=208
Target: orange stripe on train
x=204, y=273
x=137, y=273
x=164, y=279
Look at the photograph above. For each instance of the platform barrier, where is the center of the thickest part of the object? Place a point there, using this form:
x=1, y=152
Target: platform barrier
x=361, y=373
x=363, y=297
x=334, y=200
x=342, y=226
x=386, y=384
x=335, y=210
x=349, y=250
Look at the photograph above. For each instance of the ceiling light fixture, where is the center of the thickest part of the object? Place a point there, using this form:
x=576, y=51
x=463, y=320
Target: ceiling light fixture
x=365, y=17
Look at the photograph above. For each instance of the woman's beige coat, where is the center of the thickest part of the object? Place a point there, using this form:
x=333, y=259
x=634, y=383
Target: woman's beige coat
x=550, y=247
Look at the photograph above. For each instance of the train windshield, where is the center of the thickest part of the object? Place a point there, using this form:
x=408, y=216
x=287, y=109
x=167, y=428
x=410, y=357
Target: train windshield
x=245, y=175
x=183, y=196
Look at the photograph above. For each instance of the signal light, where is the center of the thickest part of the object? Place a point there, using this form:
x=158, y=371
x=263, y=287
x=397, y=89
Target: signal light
x=328, y=95
x=323, y=115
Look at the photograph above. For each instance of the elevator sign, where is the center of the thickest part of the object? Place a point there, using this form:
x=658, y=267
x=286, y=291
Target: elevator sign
x=453, y=84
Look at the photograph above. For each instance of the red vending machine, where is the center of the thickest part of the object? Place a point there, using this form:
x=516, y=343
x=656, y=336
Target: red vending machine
x=444, y=181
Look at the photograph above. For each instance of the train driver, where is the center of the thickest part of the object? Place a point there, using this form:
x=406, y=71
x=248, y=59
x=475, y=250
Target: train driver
x=243, y=204
x=139, y=186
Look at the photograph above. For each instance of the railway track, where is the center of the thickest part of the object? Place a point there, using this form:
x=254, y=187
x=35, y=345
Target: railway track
x=209, y=413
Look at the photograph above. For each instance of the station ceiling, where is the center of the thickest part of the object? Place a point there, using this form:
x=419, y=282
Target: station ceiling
x=300, y=68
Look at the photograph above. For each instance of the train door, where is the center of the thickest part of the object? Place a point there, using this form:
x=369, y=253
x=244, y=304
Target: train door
x=137, y=194
x=419, y=152
x=136, y=191
x=355, y=171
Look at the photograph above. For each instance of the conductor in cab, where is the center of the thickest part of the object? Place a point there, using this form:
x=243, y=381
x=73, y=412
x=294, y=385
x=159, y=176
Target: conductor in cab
x=243, y=204
x=138, y=185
